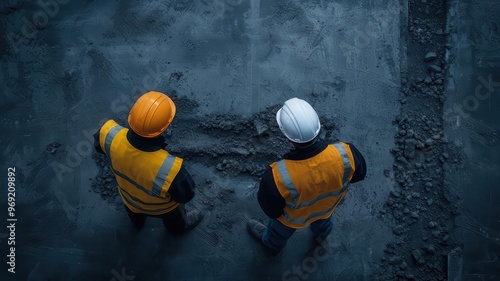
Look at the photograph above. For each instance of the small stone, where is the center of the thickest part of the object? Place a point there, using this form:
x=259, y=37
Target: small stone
x=240, y=151
x=432, y=224
x=430, y=56
x=395, y=194
x=398, y=230
x=410, y=276
x=409, y=149
x=435, y=68
x=387, y=173
x=428, y=80
x=402, y=133
x=394, y=260
x=260, y=127
x=420, y=145
x=414, y=215
x=410, y=133
x=417, y=255
x=430, y=249
x=219, y=167
x=445, y=240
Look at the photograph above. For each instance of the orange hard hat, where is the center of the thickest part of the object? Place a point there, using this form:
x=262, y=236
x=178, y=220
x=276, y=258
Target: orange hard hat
x=151, y=114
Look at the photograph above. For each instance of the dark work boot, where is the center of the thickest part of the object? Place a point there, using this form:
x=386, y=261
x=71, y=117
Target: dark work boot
x=256, y=229
x=178, y=221
x=193, y=218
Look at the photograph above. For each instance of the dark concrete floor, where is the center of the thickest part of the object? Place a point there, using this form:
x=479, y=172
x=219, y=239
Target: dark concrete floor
x=473, y=122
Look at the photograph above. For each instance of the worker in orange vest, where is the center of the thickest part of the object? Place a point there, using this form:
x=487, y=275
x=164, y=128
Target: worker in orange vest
x=151, y=181
x=304, y=188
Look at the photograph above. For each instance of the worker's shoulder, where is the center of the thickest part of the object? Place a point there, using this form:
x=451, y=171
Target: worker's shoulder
x=167, y=153
x=109, y=124
x=349, y=145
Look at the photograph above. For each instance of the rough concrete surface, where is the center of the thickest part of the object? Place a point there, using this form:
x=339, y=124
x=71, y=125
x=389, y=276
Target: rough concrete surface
x=382, y=75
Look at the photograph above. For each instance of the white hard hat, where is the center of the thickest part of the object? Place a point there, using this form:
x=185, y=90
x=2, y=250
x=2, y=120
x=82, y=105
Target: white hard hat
x=298, y=121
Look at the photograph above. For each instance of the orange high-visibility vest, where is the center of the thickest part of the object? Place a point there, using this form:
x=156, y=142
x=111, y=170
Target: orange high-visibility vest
x=144, y=178
x=312, y=188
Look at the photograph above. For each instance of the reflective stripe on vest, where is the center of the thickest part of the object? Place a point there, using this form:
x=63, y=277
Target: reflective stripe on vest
x=347, y=164
x=289, y=185
x=109, y=138
x=287, y=181
x=161, y=176
x=137, y=200
x=304, y=220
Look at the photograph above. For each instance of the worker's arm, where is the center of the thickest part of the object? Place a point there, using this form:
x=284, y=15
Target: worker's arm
x=182, y=188
x=97, y=144
x=270, y=199
x=360, y=164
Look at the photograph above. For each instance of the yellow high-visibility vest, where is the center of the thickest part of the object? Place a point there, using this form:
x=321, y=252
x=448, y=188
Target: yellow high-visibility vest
x=312, y=188
x=144, y=178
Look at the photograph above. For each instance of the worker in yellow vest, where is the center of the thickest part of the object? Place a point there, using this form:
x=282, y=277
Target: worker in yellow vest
x=304, y=188
x=151, y=181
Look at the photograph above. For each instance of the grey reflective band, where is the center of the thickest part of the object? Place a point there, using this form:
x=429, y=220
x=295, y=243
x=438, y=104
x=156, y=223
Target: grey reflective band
x=287, y=181
x=132, y=182
x=109, y=138
x=323, y=196
x=142, y=202
x=347, y=163
x=311, y=216
x=162, y=174
x=141, y=209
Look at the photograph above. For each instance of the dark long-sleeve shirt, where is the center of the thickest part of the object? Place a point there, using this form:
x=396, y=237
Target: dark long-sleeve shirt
x=270, y=199
x=182, y=188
